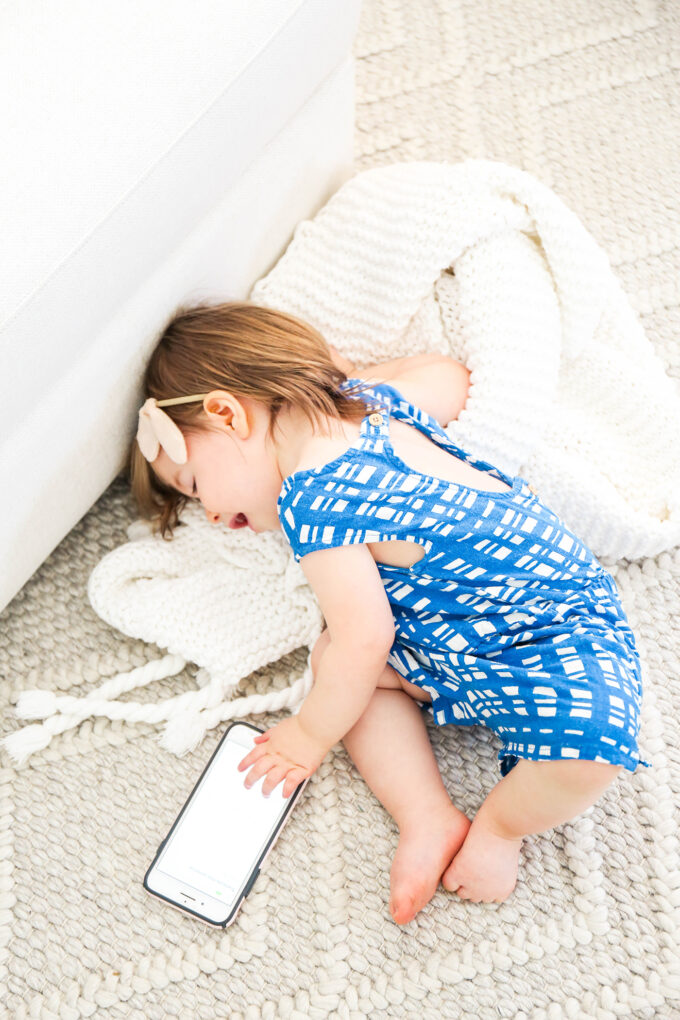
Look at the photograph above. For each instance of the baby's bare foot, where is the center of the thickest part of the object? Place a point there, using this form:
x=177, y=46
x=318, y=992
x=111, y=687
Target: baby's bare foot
x=485, y=868
x=426, y=845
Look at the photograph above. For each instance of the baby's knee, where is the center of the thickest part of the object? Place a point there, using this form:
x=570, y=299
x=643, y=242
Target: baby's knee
x=578, y=775
x=592, y=774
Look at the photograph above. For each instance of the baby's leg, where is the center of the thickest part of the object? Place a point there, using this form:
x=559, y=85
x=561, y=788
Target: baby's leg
x=390, y=747
x=533, y=797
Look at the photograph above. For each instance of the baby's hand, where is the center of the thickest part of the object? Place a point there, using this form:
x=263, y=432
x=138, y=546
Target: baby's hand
x=285, y=752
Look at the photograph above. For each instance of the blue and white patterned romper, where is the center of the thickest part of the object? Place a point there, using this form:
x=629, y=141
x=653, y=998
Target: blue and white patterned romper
x=507, y=621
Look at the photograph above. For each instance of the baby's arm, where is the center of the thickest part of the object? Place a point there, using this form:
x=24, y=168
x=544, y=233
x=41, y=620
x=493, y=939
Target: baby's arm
x=360, y=624
x=436, y=383
x=384, y=370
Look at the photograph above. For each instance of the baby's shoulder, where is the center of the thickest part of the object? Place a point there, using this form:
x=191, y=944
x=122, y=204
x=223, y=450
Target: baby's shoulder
x=321, y=450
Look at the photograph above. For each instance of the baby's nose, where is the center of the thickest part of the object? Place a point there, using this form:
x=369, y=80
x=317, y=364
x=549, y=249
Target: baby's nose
x=212, y=516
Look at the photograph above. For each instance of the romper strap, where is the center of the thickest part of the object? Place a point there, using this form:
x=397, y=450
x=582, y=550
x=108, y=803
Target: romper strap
x=403, y=410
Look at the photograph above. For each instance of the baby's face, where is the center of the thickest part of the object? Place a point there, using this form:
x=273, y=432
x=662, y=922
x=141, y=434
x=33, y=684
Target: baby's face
x=232, y=471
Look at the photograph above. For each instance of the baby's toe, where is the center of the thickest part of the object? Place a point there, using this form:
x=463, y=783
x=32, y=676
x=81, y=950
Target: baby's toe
x=408, y=895
x=450, y=879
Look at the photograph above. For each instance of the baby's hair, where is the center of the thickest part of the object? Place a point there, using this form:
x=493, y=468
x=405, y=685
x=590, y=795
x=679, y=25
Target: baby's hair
x=251, y=351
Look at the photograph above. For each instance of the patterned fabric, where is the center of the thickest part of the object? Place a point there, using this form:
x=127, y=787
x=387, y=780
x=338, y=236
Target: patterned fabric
x=507, y=621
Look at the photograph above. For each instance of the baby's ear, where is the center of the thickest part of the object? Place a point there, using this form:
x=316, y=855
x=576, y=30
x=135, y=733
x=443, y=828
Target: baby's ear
x=217, y=402
x=225, y=410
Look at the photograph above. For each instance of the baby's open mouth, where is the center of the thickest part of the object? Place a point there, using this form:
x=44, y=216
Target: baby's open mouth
x=239, y=521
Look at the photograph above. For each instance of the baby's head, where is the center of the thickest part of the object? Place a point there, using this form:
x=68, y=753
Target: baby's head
x=255, y=378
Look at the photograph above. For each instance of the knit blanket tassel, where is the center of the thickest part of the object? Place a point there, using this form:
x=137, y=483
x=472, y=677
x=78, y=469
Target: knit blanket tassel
x=189, y=715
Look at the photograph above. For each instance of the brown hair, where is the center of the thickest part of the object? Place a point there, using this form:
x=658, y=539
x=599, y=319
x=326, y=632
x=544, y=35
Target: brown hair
x=251, y=351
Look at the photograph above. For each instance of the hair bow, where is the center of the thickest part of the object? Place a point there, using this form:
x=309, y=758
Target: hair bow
x=157, y=429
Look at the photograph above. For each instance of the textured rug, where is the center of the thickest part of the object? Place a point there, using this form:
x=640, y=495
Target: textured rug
x=584, y=96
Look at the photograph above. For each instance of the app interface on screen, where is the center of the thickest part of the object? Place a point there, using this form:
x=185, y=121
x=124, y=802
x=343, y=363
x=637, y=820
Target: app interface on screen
x=224, y=829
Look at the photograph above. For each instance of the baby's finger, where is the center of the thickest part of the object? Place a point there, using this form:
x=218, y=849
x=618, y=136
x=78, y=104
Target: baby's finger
x=274, y=777
x=251, y=758
x=259, y=769
x=293, y=780
x=261, y=737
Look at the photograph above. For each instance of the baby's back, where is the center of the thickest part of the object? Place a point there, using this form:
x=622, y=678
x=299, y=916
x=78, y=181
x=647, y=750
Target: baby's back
x=420, y=454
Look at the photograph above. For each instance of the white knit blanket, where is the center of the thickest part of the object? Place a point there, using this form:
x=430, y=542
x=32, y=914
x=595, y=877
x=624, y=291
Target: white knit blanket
x=479, y=260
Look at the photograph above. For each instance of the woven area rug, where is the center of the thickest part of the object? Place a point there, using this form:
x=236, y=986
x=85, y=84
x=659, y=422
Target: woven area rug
x=584, y=95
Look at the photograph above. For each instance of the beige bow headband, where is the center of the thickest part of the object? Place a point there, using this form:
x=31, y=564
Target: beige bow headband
x=157, y=429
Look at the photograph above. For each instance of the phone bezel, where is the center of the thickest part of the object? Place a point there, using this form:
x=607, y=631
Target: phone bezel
x=252, y=874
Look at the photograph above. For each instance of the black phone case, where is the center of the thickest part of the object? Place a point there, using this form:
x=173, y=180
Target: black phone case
x=258, y=864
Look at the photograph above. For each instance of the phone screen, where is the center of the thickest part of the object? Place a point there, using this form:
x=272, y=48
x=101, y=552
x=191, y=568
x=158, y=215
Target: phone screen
x=223, y=831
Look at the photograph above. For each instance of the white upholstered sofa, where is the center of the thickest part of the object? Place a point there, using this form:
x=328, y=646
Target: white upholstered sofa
x=153, y=153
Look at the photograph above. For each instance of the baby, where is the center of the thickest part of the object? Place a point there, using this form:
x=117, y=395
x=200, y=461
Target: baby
x=443, y=583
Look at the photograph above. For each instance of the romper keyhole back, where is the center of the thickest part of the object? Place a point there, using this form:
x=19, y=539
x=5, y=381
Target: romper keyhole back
x=427, y=426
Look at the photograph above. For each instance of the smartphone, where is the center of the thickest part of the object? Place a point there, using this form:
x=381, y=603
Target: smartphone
x=208, y=862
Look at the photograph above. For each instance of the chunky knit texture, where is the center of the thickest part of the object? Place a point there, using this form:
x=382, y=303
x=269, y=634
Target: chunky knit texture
x=584, y=96
x=566, y=390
